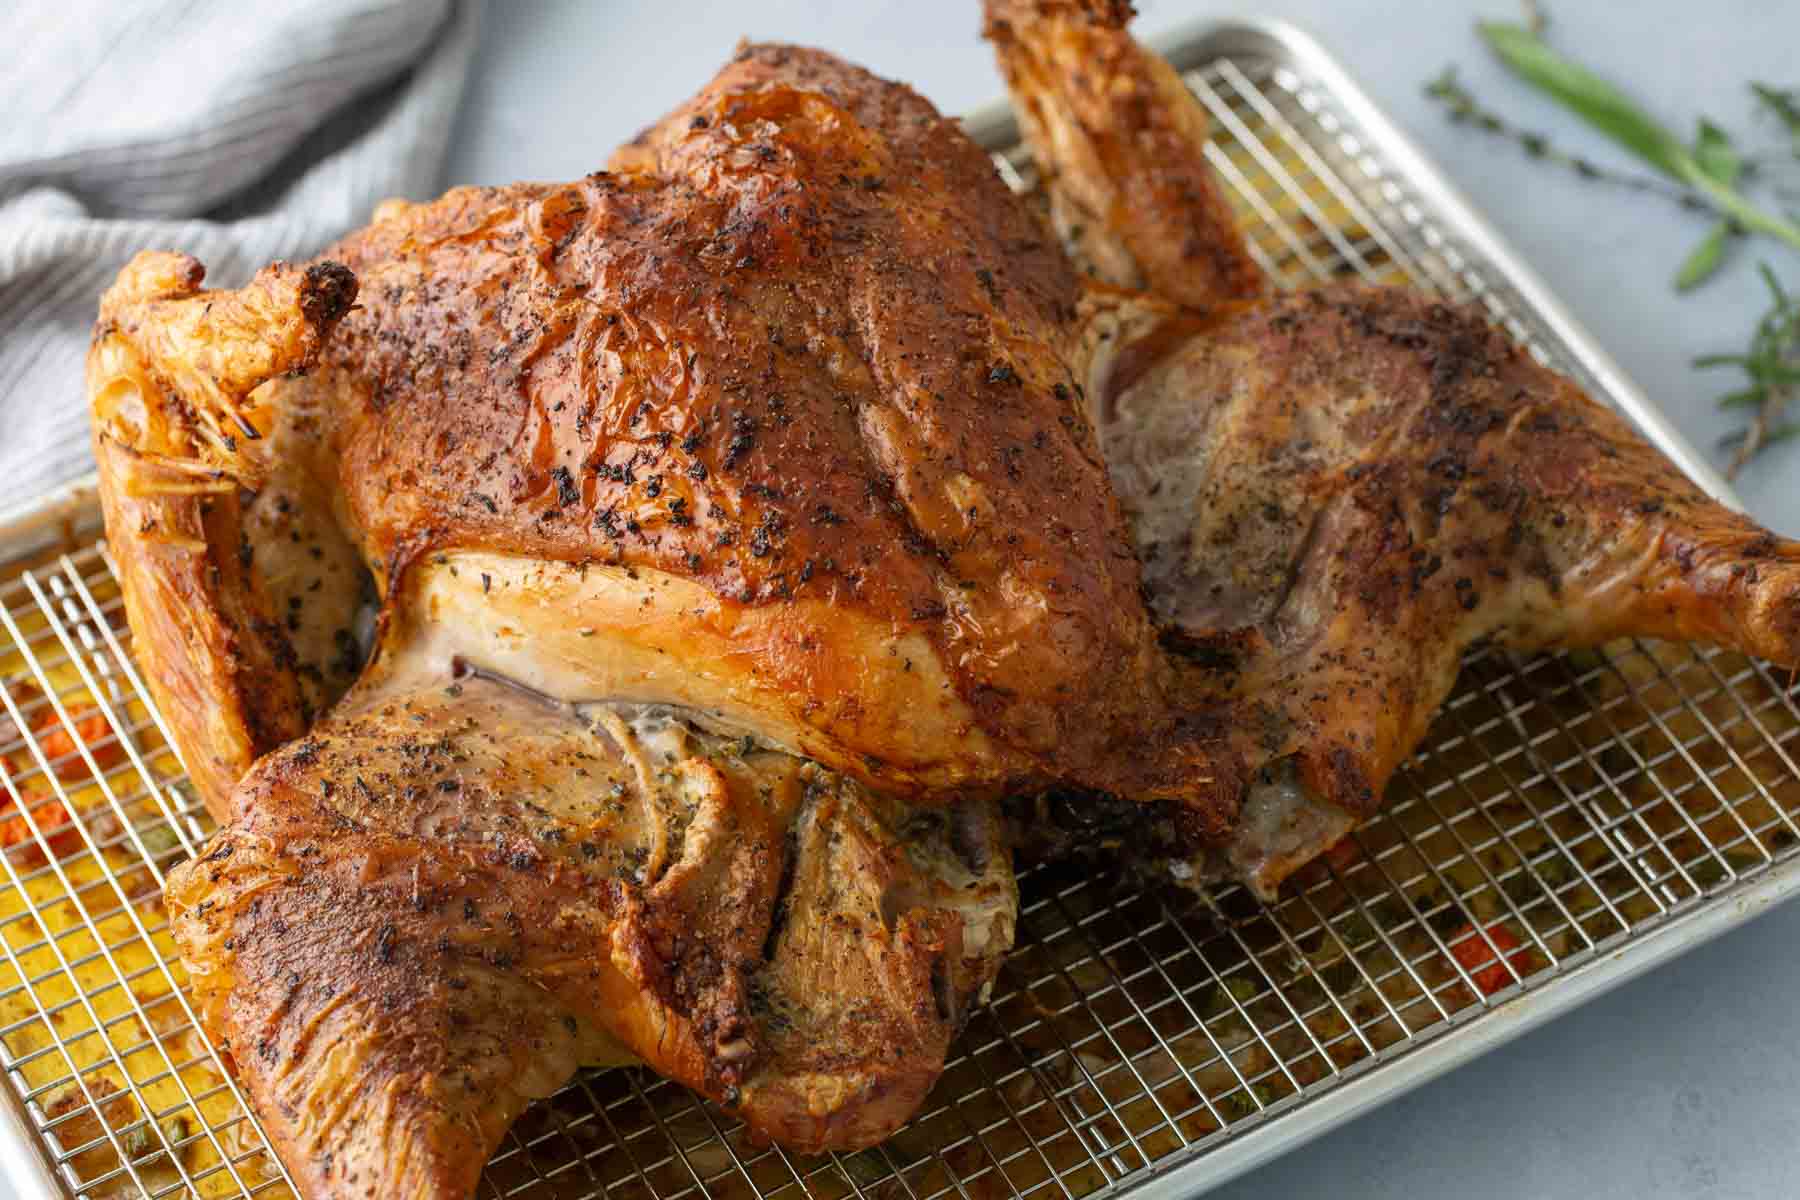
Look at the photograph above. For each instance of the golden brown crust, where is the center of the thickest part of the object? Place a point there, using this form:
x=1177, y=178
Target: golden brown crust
x=1121, y=144
x=169, y=378
x=1339, y=492
x=800, y=347
x=202, y=629
x=434, y=907
x=1336, y=495
x=207, y=352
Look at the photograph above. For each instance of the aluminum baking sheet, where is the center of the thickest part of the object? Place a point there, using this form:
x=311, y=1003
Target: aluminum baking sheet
x=1570, y=821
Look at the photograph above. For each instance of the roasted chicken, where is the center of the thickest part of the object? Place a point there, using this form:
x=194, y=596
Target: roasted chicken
x=1334, y=493
x=737, y=529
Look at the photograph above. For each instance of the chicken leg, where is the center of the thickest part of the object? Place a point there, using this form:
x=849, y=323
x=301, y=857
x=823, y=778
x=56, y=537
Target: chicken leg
x=435, y=906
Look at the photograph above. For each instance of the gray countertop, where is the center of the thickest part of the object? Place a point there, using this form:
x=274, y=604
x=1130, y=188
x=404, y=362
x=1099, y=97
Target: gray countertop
x=1685, y=1083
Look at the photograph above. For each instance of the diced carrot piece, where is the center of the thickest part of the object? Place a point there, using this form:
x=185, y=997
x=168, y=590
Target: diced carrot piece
x=1477, y=956
x=61, y=749
x=53, y=819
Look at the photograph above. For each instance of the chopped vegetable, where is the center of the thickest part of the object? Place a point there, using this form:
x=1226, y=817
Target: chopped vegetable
x=1475, y=954
x=61, y=748
x=52, y=819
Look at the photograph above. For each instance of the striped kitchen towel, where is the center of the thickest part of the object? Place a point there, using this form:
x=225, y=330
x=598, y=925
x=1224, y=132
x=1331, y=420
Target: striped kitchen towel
x=238, y=132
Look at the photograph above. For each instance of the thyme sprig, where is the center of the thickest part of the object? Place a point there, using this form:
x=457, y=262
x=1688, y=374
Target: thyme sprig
x=1705, y=175
x=1772, y=363
x=1615, y=114
x=1463, y=107
x=1784, y=105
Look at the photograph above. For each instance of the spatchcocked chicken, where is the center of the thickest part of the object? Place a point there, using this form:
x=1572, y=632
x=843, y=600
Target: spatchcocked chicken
x=738, y=526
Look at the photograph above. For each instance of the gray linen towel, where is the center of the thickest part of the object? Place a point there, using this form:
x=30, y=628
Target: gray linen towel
x=237, y=132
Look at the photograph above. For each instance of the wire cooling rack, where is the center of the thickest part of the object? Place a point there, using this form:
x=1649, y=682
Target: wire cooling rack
x=1568, y=818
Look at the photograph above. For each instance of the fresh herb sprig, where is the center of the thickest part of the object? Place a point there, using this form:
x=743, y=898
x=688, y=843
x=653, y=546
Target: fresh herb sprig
x=1784, y=105
x=1705, y=175
x=1772, y=363
x=1707, y=167
x=1462, y=106
x=1711, y=148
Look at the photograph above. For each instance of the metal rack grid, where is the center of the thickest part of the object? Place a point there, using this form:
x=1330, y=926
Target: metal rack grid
x=1563, y=808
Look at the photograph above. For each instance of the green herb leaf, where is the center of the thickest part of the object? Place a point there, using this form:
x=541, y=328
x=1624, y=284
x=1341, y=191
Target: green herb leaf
x=1780, y=374
x=1744, y=398
x=1772, y=362
x=1761, y=367
x=1714, y=152
x=1775, y=289
x=1784, y=103
x=1596, y=101
x=1463, y=108
x=1705, y=260
x=1613, y=113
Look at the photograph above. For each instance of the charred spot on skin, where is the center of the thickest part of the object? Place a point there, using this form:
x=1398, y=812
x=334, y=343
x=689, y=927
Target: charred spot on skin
x=566, y=494
x=743, y=439
x=986, y=279
x=327, y=291
x=1424, y=566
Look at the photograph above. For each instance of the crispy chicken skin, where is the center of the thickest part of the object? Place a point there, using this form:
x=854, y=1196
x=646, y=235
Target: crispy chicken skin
x=1336, y=493
x=1120, y=142
x=1339, y=492
x=799, y=365
x=800, y=351
x=431, y=909
x=169, y=367
x=773, y=425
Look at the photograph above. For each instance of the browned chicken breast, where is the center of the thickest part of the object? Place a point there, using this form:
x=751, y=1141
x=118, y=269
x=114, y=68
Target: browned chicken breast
x=766, y=429
x=787, y=392
x=1336, y=493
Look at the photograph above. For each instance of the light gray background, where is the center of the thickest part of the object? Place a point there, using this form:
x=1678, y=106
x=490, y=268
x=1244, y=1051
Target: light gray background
x=1685, y=1083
